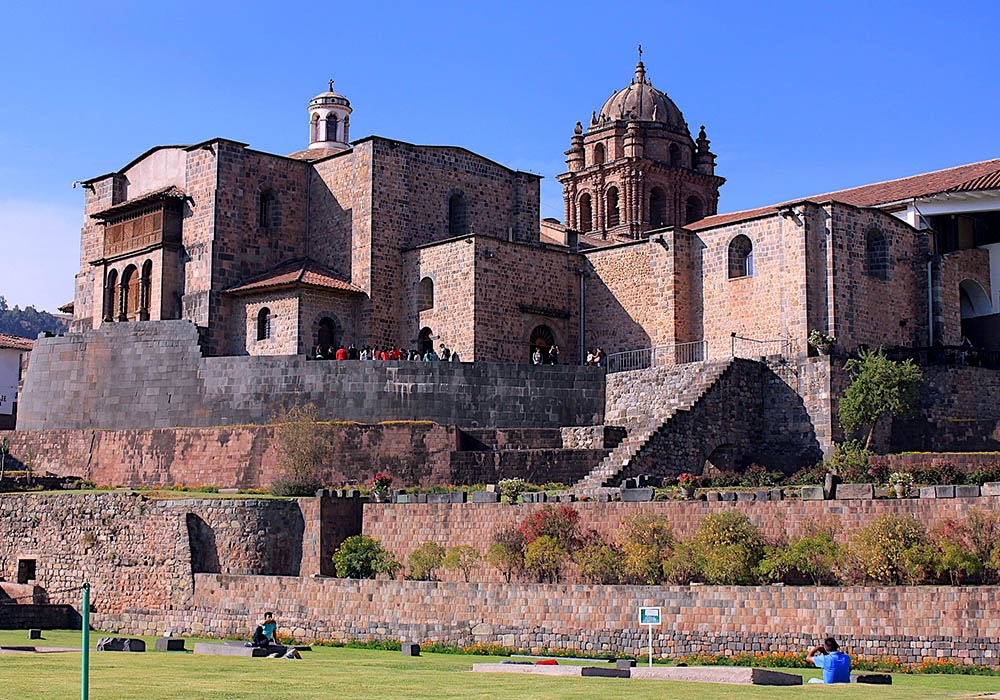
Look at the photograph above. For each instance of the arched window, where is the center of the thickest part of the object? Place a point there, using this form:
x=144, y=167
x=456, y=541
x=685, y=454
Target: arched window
x=693, y=211
x=675, y=155
x=145, y=289
x=740, y=257
x=542, y=339
x=425, y=294
x=347, y=129
x=876, y=255
x=314, y=129
x=657, y=208
x=458, y=215
x=973, y=299
x=586, y=213
x=111, y=296
x=329, y=333
x=331, y=127
x=598, y=154
x=268, y=214
x=130, y=293
x=425, y=341
x=264, y=324
x=613, y=215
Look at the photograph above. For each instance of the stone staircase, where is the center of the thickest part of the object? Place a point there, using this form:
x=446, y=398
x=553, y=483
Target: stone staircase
x=658, y=395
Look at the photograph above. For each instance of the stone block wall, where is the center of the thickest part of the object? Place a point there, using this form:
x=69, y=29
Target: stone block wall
x=869, y=622
x=86, y=381
x=43, y=617
x=534, y=466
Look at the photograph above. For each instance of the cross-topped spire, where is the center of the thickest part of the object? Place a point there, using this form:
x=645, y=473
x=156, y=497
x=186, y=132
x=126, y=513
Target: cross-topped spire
x=640, y=52
x=331, y=79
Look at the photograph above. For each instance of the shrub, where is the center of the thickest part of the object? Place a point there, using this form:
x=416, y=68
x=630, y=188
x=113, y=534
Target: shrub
x=303, y=446
x=813, y=556
x=727, y=548
x=462, y=558
x=954, y=553
x=681, y=567
x=893, y=549
x=808, y=476
x=757, y=476
x=425, y=560
x=850, y=462
x=984, y=535
x=544, y=557
x=511, y=489
x=558, y=522
x=646, y=542
x=361, y=556
x=722, y=480
x=598, y=562
x=506, y=552
x=983, y=475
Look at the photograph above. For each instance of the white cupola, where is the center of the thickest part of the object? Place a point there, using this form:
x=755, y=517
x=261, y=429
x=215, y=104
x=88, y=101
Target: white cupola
x=330, y=121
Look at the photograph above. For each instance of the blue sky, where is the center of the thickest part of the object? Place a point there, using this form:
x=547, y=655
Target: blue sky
x=798, y=98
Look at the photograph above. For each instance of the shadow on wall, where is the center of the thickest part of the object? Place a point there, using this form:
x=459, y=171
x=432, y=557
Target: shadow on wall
x=284, y=543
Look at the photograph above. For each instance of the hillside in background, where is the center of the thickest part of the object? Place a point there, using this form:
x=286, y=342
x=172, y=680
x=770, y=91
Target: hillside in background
x=29, y=322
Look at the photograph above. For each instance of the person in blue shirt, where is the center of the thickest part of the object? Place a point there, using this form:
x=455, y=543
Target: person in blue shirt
x=836, y=665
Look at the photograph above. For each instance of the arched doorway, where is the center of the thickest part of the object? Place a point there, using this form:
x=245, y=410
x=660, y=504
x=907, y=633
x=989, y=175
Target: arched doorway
x=542, y=339
x=329, y=334
x=657, y=208
x=425, y=341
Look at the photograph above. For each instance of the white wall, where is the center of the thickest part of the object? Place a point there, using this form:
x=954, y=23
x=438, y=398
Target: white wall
x=9, y=362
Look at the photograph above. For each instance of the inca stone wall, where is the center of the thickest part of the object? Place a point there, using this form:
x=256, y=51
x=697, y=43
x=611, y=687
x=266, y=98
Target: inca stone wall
x=88, y=381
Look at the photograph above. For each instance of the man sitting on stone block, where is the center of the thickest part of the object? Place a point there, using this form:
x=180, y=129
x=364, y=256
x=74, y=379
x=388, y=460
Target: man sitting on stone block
x=836, y=665
x=265, y=635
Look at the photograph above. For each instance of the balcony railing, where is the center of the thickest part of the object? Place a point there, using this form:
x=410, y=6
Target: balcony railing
x=752, y=348
x=662, y=355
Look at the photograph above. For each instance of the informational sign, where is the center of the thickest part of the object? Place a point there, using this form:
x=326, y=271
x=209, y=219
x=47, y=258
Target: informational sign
x=649, y=616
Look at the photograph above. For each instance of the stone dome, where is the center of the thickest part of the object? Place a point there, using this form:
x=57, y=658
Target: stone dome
x=329, y=98
x=642, y=101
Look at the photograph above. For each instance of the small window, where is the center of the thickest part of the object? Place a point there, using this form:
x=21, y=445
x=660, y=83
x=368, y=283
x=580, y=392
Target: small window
x=613, y=215
x=740, y=257
x=314, y=129
x=268, y=211
x=657, y=208
x=586, y=213
x=599, y=154
x=111, y=296
x=876, y=255
x=693, y=210
x=425, y=294
x=458, y=215
x=25, y=570
x=264, y=324
x=331, y=127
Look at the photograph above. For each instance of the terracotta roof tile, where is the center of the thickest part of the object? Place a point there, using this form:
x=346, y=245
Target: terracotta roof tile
x=974, y=176
x=15, y=342
x=314, y=153
x=296, y=273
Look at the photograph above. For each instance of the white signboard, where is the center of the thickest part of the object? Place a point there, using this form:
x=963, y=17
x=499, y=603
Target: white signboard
x=649, y=616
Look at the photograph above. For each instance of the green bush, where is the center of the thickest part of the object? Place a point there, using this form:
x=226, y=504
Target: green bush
x=598, y=562
x=361, y=556
x=954, y=552
x=646, y=542
x=757, y=476
x=462, y=558
x=893, y=549
x=850, y=461
x=984, y=536
x=425, y=560
x=506, y=552
x=813, y=556
x=545, y=556
x=681, y=567
x=983, y=475
x=808, y=476
x=727, y=548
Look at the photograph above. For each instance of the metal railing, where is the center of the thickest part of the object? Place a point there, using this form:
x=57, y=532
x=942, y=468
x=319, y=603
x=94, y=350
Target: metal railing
x=662, y=355
x=751, y=348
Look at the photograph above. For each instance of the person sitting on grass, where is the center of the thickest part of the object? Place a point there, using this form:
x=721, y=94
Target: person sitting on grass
x=836, y=665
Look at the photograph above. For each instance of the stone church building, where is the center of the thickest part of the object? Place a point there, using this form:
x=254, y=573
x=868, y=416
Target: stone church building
x=384, y=243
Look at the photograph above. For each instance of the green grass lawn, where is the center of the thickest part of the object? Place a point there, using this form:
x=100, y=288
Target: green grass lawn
x=328, y=673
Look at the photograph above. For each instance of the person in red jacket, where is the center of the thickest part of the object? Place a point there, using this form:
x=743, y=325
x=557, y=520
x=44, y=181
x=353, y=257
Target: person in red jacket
x=341, y=353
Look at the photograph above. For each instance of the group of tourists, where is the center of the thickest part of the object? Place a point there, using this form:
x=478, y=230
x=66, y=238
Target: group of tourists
x=597, y=358
x=385, y=354
x=545, y=356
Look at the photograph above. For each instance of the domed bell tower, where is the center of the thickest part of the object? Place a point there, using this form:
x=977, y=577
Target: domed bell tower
x=636, y=168
x=330, y=121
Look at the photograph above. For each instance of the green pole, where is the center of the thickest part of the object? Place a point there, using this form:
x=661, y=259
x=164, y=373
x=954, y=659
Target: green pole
x=85, y=641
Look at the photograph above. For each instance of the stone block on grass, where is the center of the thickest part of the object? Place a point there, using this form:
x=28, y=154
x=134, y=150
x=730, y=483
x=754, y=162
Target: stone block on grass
x=34, y=634
x=170, y=644
x=485, y=497
x=410, y=649
x=637, y=495
x=603, y=672
x=625, y=663
x=855, y=492
x=812, y=493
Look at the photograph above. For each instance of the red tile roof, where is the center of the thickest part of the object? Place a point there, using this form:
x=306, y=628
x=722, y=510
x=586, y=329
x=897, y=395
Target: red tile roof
x=967, y=178
x=296, y=273
x=15, y=342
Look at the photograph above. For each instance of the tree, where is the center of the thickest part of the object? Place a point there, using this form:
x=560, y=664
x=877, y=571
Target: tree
x=544, y=557
x=360, y=556
x=879, y=386
x=425, y=560
x=304, y=445
x=462, y=558
x=28, y=322
x=506, y=552
x=646, y=542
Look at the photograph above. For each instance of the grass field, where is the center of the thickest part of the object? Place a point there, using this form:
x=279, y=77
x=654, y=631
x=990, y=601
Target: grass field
x=330, y=673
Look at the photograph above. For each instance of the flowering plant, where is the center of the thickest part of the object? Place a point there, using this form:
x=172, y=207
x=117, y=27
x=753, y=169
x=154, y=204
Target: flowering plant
x=511, y=488
x=688, y=481
x=381, y=482
x=820, y=339
x=904, y=478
